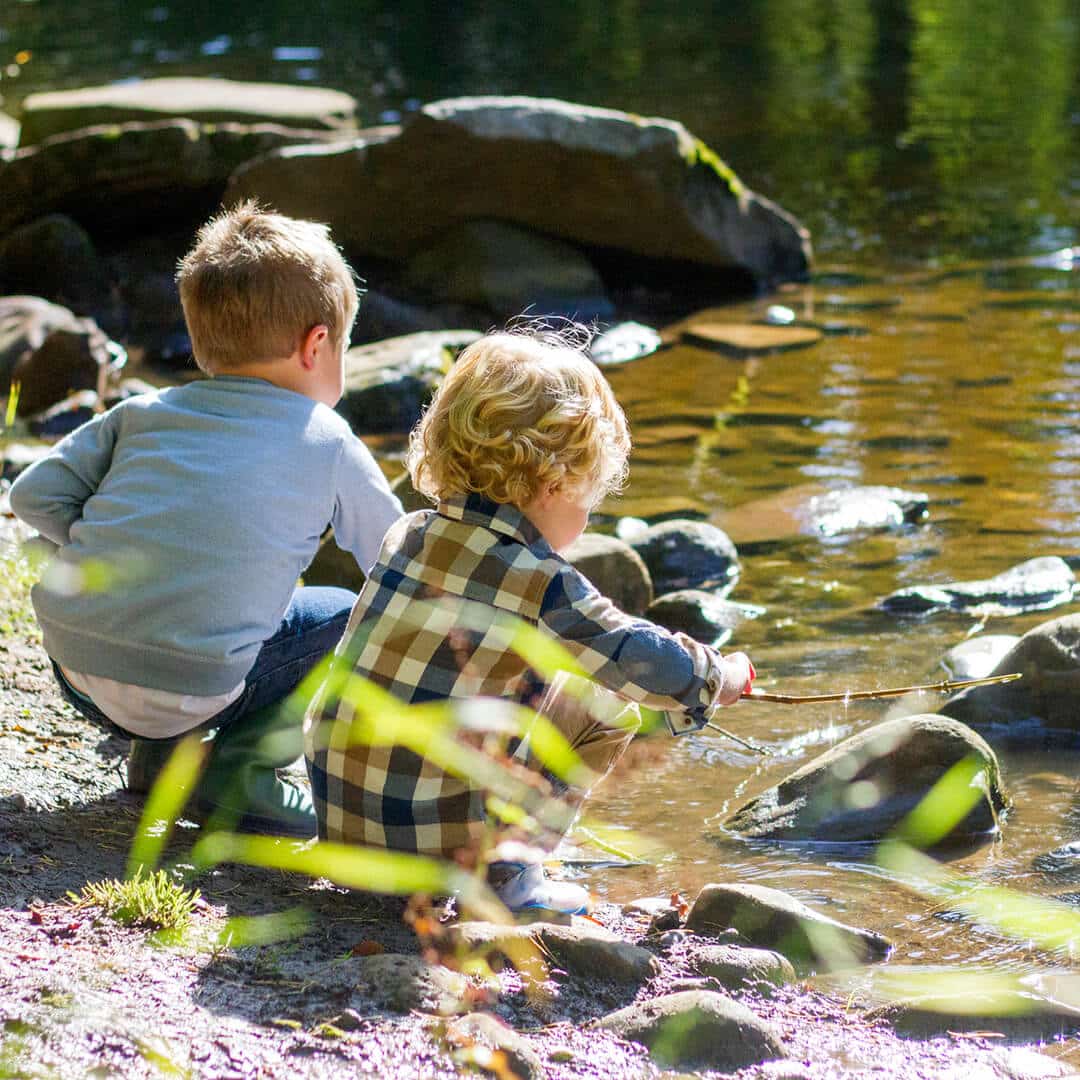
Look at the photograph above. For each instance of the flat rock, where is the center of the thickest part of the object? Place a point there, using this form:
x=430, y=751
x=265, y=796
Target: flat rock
x=737, y=967
x=1034, y=585
x=810, y=510
x=633, y=184
x=862, y=788
x=702, y=615
x=697, y=1029
x=978, y=656
x=771, y=919
x=615, y=568
x=1048, y=656
x=684, y=554
x=738, y=339
x=203, y=100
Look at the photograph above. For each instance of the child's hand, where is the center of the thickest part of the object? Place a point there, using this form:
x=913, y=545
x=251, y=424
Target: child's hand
x=738, y=677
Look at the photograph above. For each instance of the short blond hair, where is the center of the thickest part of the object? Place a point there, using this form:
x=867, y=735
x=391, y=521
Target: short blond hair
x=519, y=412
x=256, y=282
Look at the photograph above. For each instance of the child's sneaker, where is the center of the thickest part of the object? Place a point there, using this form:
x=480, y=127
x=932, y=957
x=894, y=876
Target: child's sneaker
x=524, y=887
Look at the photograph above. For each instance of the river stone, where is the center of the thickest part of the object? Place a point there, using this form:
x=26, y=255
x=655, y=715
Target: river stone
x=863, y=787
x=978, y=656
x=632, y=184
x=388, y=383
x=622, y=343
x=684, y=554
x=133, y=176
x=740, y=339
x=521, y=1060
x=703, y=615
x=50, y=352
x=9, y=132
x=208, y=101
x=737, y=967
x=1034, y=585
x=615, y=568
x=771, y=919
x=697, y=1029
x=810, y=510
x=508, y=269
x=1048, y=656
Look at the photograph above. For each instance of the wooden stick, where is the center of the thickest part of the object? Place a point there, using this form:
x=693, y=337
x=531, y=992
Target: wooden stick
x=947, y=686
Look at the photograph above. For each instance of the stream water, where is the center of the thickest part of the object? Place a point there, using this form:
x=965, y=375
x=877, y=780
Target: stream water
x=931, y=148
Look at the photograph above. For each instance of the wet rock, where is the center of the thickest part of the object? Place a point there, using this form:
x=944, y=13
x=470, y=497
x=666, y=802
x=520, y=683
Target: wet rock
x=112, y=178
x=1049, y=658
x=1034, y=585
x=684, y=554
x=622, y=343
x=736, y=967
x=738, y=339
x=54, y=258
x=506, y=270
x=647, y=905
x=50, y=352
x=521, y=1060
x=809, y=510
x=588, y=952
x=862, y=788
x=978, y=656
x=703, y=615
x=208, y=101
x=615, y=568
x=9, y=131
x=18, y=456
x=697, y=1029
x=641, y=186
x=771, y=919
x=388, y=383
x=382, y=316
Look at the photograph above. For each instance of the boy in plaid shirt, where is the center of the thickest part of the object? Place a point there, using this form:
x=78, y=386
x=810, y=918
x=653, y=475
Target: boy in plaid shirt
x=523, y=438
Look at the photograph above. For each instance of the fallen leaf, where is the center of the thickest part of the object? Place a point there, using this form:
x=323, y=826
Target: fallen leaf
x=367, y=948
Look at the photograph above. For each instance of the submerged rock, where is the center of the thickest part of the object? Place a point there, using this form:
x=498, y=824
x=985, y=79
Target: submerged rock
x=622, y=343
x=978, y=656
x=641, y=186
x=1048, y=656
x=697, y=1029
x=771, y=919
x=703, y=615
x=809, y=510
x=739, y=339
x=862, y=788
x=684, y=554
x=615, y=568
x=1034, y=585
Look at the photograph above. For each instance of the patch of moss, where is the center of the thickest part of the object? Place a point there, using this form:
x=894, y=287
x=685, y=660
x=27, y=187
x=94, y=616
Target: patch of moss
x=700, y=154
x=154, y=902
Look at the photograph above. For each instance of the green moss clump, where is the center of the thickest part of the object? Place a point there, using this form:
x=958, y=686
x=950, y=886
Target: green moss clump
x=700, y=154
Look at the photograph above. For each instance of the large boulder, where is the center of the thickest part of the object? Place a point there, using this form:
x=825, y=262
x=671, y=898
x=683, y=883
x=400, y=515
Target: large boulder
x=1035, y=585
x=771, y=919
x=697, y=1029
x=209, y=101
x=862, y=788
x=615, y=568
x=684, y=554
x=1048, y=656
x=598, y=178
x=113, y=178
x=703, y=615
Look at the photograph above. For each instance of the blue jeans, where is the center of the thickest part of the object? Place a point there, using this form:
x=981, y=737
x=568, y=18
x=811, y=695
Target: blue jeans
x=312, y=627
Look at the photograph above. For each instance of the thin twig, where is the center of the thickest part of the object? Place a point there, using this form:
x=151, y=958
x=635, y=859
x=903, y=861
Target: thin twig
x=947, y=686
x=741, y=741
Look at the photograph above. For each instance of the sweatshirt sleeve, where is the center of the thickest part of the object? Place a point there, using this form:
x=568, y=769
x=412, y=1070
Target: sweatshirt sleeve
x=633, y=657
x=50, y=494
x=365, y=506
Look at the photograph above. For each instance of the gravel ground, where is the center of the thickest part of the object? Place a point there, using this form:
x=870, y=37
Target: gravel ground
x=81, y=995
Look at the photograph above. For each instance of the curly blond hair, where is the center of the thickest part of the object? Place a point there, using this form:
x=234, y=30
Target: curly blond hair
x=520, y=412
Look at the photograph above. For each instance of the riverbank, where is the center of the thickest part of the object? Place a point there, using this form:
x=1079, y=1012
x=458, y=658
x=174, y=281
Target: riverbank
x=83, y=995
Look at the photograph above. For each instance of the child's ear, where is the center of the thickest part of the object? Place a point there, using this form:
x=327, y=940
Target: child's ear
x=309, y=347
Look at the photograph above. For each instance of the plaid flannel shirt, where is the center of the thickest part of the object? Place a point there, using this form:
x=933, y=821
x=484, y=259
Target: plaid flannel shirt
x=415, y=631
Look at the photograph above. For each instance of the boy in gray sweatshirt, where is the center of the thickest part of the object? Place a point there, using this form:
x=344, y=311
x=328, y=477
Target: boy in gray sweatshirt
x=183, y=519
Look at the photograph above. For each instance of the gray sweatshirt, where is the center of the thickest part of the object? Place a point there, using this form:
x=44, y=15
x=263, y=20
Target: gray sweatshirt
x=184, y=518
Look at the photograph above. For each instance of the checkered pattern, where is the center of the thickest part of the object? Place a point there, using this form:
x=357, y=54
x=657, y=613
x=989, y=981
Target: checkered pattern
x=424, y=629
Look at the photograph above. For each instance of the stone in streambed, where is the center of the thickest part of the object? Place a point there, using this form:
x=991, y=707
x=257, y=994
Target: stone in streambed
x=740, y=340
x=615, y=568
x=702, y=615
x=684, y=554
x=976, y=657
x=771, y=919
x=864, y=787
x=622, y=343
x=737, y=967
x=1048, y=656
x=1034, y=585
x=697, y=1029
